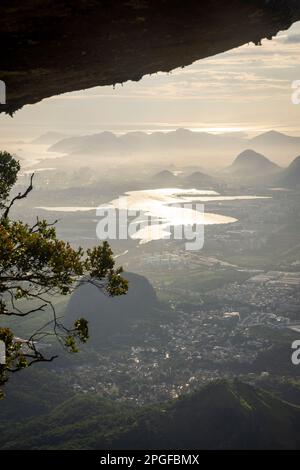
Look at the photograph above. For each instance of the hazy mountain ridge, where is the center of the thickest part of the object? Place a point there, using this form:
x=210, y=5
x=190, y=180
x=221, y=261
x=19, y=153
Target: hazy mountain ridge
x=197, y=179
x=131, y=141
x=274, y=138
x=221, y=415
x=218, y=149
x=200, y=179
x=290, y=177
x=49, y=138
x=250, y=164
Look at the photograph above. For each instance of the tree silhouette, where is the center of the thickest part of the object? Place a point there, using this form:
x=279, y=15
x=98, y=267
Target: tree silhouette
x=35, y=266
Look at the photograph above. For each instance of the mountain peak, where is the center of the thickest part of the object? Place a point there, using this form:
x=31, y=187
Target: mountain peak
x=291, y=176
x=250, y=162
x=164, y=174
x=200, y=179
x=273, y=133
x=295, y=163
x=275, y=138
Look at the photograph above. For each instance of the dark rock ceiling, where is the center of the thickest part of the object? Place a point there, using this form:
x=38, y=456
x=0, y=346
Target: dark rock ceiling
x=50, y=47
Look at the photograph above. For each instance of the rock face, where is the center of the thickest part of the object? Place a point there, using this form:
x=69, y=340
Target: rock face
x=112, y=316
x=55, y=46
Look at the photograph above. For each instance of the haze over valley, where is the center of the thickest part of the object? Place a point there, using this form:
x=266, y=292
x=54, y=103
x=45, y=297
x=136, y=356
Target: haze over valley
x=210, y=152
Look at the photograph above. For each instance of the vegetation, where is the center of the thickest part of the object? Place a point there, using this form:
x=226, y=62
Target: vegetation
x=35, y=266
x=221, y=415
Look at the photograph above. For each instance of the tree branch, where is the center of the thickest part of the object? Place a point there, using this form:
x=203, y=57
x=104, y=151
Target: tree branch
x=18, y=197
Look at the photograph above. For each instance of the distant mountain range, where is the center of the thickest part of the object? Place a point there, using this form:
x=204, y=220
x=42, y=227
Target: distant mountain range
x=250, y=166
x=197, y=180
x=274, y=138
x=49, y=138
x=221, y=415
x=181, y=141
x=201, y=147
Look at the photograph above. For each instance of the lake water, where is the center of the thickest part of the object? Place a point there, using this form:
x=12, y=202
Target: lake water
x=167, y=207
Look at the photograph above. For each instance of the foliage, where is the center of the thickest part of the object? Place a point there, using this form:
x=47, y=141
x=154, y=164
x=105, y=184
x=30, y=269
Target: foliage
x=35, y=266
x=221, y=415
x=9, y=169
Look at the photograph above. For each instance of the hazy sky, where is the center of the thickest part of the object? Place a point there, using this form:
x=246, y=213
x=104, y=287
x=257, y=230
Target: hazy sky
x=247, y=89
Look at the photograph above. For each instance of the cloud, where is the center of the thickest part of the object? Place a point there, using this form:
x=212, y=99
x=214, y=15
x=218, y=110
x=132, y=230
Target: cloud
x=293, y=39
x=249, y=84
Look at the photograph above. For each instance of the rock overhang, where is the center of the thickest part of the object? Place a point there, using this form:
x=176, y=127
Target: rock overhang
x=49, y=47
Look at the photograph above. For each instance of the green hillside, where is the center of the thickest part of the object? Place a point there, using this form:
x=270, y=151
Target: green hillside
x=222, y=415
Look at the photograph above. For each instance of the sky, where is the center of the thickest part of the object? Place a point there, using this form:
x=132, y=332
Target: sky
x=247, y=89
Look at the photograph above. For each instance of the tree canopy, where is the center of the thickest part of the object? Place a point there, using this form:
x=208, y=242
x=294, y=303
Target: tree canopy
x=35, y=266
